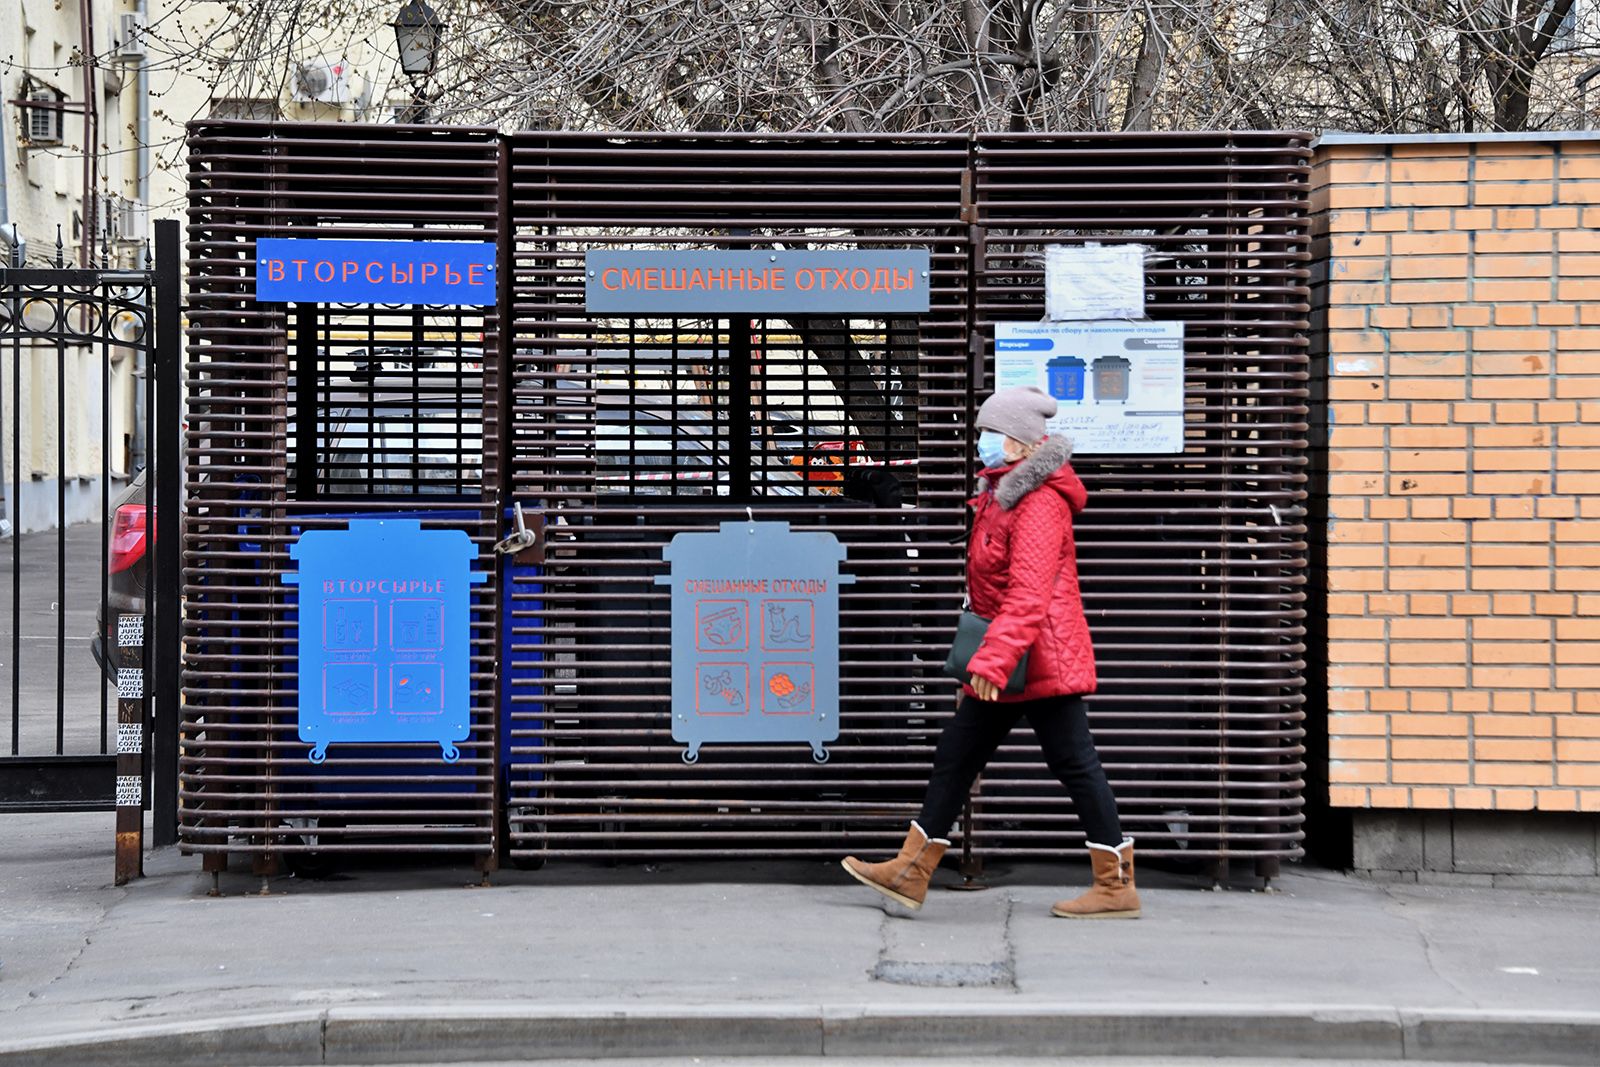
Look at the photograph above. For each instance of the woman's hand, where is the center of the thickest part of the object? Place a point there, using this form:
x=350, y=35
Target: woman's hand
x=986, y=690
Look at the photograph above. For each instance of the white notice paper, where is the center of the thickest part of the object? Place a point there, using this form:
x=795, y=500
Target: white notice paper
x=1118, y=385
x=1083, y=282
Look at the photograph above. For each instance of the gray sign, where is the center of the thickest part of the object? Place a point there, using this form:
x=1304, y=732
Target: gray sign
x=714, y=281
x=755, y=636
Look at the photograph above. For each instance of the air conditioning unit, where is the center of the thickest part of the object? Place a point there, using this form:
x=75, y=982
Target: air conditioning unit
x=44, y=125
x=132, y=222
x=321, y=81
x=131, y=45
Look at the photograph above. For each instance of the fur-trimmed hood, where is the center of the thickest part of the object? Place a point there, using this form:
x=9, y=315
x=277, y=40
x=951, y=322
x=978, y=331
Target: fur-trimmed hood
x=1037, y=470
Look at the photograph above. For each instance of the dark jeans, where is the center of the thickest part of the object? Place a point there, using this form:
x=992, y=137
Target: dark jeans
x=1062, y=726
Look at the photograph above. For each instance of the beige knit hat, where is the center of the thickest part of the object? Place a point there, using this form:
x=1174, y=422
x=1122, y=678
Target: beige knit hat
x=1018, y=412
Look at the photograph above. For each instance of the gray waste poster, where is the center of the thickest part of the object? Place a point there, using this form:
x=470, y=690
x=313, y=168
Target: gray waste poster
x=755, y=636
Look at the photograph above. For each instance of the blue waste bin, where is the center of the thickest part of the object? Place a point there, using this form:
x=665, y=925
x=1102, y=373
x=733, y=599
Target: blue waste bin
x=1065, y=377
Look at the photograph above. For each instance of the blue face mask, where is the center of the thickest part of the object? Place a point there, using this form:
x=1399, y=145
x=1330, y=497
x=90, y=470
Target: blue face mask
x=991, y=449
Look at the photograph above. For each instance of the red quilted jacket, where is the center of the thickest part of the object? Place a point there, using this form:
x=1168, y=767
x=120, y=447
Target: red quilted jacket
x=1022, y=572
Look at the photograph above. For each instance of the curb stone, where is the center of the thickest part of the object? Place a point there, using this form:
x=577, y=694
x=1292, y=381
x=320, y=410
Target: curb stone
x=401, y=1034
x=1356, y=1033
x=1502, y=1037
x=264, y=1040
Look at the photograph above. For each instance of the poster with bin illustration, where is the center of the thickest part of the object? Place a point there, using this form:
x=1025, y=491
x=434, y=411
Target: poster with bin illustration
x=1118, y=384
x=385, y=634
x=755, y=636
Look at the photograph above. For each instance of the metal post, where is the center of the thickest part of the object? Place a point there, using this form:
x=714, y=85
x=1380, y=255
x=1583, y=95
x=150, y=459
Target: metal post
x=305, y=401
x=128, y=652
x=166, y=449
x=739, y=348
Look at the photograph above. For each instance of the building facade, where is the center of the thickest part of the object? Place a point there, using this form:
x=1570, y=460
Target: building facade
x=70, y=192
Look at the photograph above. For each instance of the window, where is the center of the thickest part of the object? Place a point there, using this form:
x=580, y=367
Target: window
x=1566, y=35
x=44, y=116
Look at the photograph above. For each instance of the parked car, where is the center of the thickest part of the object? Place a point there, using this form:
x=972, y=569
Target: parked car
x=126, y=571
x=397, y=434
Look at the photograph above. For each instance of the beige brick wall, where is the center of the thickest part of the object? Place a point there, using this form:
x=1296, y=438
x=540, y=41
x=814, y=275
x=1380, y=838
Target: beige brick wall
x=1461, y=310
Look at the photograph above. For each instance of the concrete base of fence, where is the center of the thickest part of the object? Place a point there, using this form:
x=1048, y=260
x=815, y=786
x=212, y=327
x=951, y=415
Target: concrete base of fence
x=501, y=1032
x=1507, y=849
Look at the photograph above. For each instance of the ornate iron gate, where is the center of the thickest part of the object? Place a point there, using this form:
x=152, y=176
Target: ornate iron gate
x=78, y=731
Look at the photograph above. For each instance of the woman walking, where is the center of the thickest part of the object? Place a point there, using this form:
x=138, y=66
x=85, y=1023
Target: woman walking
x=1022, y=573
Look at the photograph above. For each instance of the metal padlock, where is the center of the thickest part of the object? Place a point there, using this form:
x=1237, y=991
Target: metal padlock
x=520, y=539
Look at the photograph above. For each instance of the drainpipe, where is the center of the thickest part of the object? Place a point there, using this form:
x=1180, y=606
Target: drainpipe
x=10, y=238
x=136, y=450
x=91, y=133
x=10, y=244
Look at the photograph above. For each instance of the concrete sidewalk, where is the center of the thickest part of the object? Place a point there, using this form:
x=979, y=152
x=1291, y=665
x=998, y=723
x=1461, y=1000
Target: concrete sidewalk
x=748, y=959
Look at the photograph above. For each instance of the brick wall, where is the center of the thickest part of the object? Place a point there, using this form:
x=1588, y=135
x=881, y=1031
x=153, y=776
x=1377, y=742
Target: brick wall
x=1459, y=326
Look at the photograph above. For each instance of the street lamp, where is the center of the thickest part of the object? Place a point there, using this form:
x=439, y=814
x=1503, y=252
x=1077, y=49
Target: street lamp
x=416, y=30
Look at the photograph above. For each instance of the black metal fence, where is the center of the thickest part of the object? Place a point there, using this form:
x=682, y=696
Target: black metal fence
x=616, y=433
x=91, y=428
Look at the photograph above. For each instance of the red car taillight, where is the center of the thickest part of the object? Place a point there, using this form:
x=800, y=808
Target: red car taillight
x=127, y=537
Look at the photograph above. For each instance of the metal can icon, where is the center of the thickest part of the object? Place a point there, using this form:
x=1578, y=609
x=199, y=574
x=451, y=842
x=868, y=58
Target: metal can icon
x=1064, y=374
x=1111, y=375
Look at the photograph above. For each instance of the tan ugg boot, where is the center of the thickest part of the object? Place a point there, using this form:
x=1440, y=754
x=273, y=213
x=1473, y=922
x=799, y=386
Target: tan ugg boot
x=904, y=878
x=1113, y=895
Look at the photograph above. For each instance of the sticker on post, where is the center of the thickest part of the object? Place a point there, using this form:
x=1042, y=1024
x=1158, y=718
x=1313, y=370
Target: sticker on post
x=130, y=791
x=130, y=739
x=130, y=631
x=130, y=683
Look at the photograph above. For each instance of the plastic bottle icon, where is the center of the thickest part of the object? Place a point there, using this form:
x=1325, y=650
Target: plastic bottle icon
x=1064, y=375
x=1111, y=374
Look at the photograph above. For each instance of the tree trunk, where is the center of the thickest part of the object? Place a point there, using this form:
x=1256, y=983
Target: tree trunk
x=859, y=384
x=1147, y=70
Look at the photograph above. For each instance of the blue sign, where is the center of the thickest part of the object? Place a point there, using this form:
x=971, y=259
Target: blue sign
x=755, y=636
x=385, y=634
x=708, y=281
x=315, y=271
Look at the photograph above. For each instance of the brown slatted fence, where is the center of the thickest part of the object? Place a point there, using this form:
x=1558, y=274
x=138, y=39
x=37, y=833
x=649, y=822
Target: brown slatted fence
x=1193, y=566
x=271, y=384
x=600, y=402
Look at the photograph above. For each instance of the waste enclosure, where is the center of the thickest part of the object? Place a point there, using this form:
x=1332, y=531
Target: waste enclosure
x=618, y=432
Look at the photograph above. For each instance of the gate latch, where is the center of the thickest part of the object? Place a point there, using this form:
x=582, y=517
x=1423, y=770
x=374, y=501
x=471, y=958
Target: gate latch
x=525, y=545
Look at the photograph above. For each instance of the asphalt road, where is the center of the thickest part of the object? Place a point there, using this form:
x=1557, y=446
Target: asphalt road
x=50, y=682
x=965, y=1061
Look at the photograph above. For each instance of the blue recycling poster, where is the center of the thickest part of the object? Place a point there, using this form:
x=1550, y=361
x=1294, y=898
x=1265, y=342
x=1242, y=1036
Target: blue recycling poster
x=385, y=634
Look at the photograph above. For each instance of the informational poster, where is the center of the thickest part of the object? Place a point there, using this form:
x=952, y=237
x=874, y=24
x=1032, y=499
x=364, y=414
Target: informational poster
x=1118, y=385
x=755, y=636
x=1087, y=282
